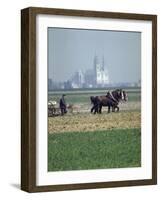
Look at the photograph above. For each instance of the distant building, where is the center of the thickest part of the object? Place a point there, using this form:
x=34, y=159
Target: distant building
x=139, y=83
x=67, y=85
x=101, y=74
x=78, y=79
x=89, y=78
x=94, y=77
x=50, y=84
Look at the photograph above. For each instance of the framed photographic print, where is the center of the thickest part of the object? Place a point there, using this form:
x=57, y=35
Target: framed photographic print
x=88, y=99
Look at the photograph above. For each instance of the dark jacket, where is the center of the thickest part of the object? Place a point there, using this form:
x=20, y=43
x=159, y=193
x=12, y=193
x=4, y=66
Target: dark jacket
x=62, y=102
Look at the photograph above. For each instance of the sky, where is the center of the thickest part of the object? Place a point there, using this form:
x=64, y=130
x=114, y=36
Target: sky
x=72, y=49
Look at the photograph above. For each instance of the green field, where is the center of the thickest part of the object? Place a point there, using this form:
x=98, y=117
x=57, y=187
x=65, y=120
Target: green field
x=83, y=96
x=94, y=150
x=81, y=140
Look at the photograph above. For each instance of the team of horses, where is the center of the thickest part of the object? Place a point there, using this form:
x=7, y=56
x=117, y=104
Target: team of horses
x=110, y=100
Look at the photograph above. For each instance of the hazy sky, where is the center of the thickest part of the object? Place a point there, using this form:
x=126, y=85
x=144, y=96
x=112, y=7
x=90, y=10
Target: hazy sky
x=72, y=49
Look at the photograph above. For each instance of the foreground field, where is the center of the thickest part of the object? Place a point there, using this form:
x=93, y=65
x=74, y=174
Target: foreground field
x=88, y=122
x=94, y=150
x=80, y=140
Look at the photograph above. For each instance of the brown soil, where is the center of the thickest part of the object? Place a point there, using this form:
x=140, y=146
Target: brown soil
x=85, y=121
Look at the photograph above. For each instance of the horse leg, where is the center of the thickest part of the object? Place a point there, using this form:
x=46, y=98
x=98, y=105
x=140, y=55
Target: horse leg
x=113, y=108
x=100, y=109
x=108, y=109
x=92, y=109
x=95, y=109
x=117, y=108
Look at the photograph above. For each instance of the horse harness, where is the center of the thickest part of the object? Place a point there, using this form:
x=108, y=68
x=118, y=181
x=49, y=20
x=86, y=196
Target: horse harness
x=113, y=98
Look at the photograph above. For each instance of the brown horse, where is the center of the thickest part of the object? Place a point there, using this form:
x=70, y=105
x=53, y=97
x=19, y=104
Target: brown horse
x=112, y=99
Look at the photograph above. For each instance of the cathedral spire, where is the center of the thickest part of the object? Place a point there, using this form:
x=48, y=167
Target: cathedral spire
x=103, y=63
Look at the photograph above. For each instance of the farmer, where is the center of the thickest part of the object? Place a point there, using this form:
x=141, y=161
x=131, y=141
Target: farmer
x=63, y=105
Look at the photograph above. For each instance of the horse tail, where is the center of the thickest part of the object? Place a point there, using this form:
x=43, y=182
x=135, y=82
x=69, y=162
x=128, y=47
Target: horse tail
x=92, y=98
